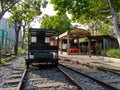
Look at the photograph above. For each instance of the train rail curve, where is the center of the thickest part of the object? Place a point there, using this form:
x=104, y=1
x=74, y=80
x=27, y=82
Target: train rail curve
x=15, y=80
x=107, y=77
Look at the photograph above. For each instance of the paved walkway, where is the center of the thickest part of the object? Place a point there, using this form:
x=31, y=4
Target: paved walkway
x=93, y=60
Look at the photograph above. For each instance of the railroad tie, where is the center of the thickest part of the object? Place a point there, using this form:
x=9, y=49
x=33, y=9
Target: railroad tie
x=112, y=81
x=99, y=75
x=36, y=79
x=12, y=81
x=85, y=72
x=56, y=84
x=17, y=72
x=13, y=88
x=15, y=75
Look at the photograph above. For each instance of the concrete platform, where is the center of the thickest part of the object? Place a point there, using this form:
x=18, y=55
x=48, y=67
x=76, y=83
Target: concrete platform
x=94, y=60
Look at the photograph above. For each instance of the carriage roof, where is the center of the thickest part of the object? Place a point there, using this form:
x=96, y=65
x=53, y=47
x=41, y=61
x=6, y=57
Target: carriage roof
x=37, y=31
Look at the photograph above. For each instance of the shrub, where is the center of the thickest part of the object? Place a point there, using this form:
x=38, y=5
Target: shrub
x=21, y=51
x=115, y=53
x=103, y=52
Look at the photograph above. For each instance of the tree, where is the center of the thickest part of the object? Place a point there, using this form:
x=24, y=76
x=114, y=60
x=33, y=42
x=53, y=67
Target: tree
x=24, y=13
x=61, y=23
x=90, y=10
x=98, y=27
x=115, y=18
x=16, y=19
x=5, y=5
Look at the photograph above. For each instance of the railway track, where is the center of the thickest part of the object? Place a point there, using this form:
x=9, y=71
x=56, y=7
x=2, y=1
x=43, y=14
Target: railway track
x=14, y=82
x=106, y=77
x=48, y=79
x=55, y=78
x=83, y=82
x=51, y=78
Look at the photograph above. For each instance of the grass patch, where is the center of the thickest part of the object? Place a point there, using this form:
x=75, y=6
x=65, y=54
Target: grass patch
x=10, y=58
x=7, y=60
x=115, y=53
x=3, y=62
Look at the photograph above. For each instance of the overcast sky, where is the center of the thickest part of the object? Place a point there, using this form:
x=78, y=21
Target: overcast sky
x=49, y=10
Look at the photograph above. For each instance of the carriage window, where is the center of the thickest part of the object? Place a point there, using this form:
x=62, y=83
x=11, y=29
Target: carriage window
x=34, y=39
x=47, y=39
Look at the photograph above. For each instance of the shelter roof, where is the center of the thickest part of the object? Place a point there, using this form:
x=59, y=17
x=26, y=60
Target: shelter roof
x=100, y=37
x=38, y=31
x=76, y=33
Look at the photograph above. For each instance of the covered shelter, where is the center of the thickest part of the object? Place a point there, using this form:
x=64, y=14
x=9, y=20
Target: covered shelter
x=98, y=43
x=93, y=45
x=102, y=42
x=71, y=37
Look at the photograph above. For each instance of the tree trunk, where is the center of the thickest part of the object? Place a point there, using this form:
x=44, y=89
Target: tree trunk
x=16, y=43
x=2, y=14
x=23, y=37
x=115, y=20
x=17, y=29
x=4, y=10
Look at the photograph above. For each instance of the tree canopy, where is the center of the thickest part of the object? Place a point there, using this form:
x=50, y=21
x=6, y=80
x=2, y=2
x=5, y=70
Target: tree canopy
x=5, y=5
x=86, y=9
x=61, y=23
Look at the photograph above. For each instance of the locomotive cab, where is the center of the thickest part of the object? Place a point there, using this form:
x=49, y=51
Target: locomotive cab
x=40, y=48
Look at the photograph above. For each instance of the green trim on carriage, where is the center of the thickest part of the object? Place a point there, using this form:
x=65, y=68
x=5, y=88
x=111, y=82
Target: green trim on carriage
x=46, y=55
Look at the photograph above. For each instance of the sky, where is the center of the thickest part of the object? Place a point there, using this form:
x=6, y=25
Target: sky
x=48, y=10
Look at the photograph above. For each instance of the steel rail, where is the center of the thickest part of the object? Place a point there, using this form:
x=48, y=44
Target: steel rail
x=103, y=68
x=80, y=88
x=21, y=80
x=110, y=70
x=101, y=82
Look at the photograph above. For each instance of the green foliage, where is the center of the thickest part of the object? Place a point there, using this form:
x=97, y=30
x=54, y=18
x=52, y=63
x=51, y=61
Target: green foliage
x=5, y=5
x=27, y=11
x=85, y=11
x=103, y=52
x=84, y=39
x=115, y=53
x=90, y=9
x=61, y=23
x=21, y=51
x=99, y=27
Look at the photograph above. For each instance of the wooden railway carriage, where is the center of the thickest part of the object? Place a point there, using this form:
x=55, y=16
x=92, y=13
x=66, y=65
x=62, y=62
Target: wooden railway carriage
x=40, y=49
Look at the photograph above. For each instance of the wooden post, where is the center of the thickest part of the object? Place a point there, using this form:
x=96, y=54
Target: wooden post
x=89, y=47
x=68, y=43
x=78, y=44
x=60, y=45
